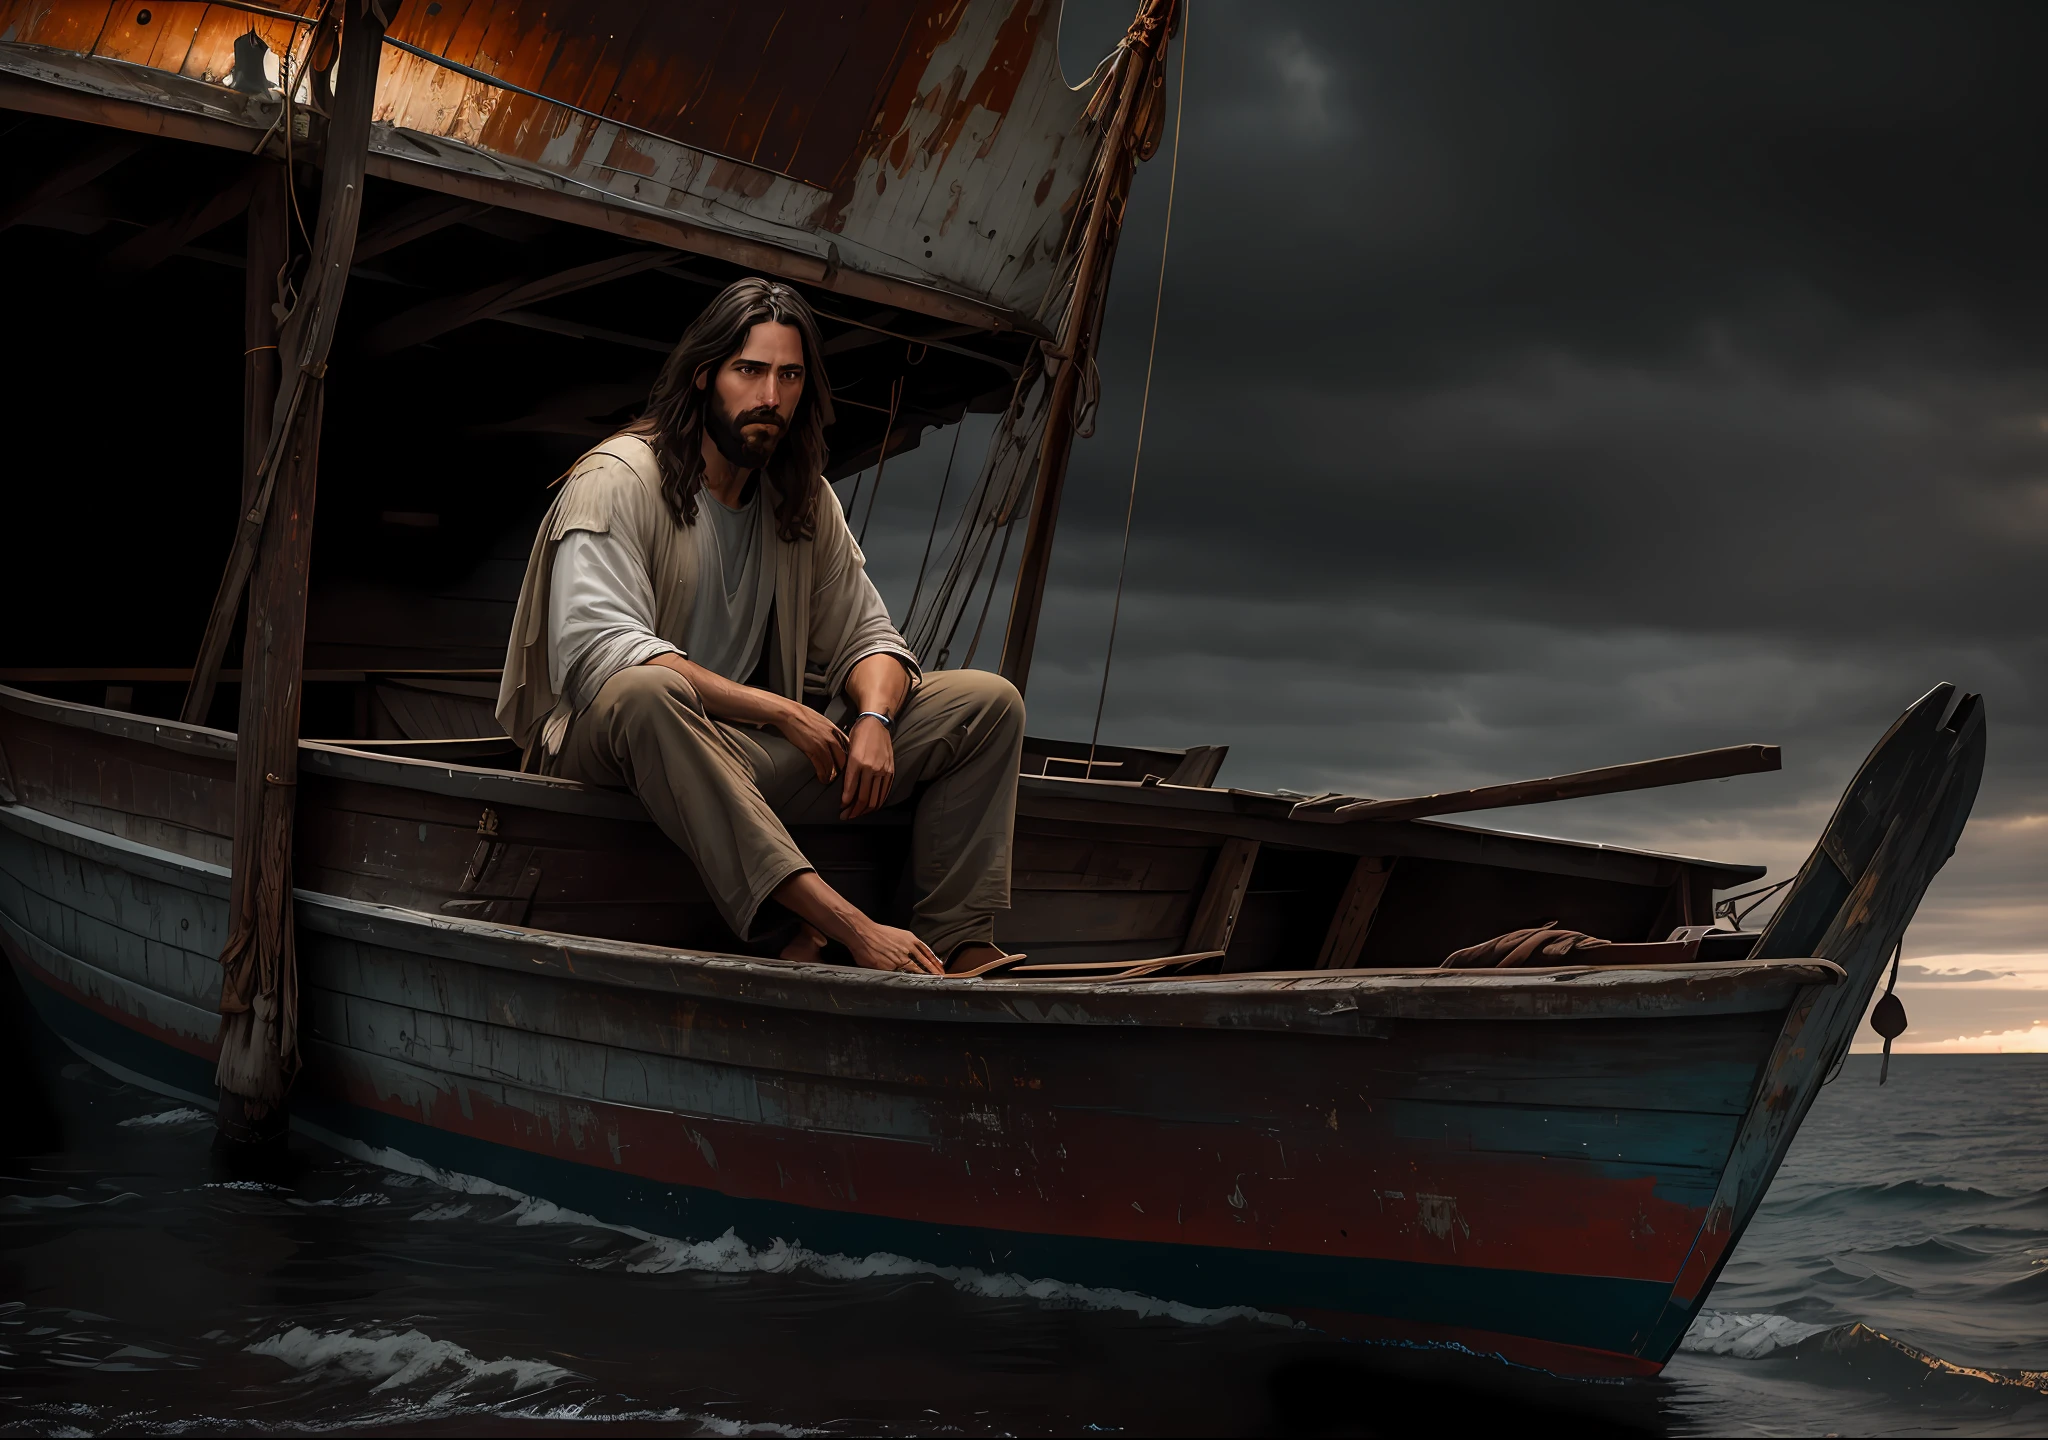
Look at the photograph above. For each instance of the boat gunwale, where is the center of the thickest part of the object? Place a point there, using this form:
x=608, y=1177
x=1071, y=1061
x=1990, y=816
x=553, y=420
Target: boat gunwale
x=1193, y=808
x=1336, y=1002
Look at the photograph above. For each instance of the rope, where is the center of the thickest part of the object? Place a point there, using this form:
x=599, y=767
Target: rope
x=1144, y=404
x=951, y=455
x=882, y=460
x=995, y=578
x=967, y=602
x=1885, y=1067
x=1725, y=909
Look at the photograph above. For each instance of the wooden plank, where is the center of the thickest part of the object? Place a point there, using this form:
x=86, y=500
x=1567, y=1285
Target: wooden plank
x=1222, y=899
x=1355, y=909
x=1609, y=780
x=1199, y=765
x=451, y=312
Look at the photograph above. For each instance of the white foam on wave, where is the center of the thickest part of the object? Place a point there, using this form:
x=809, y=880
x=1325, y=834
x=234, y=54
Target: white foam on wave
x=167, y=1117
x=396, y=1358
x=728, y=1254
x=1747, y=1337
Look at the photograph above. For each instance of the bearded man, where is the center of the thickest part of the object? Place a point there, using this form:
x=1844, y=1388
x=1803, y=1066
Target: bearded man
x=697, y=625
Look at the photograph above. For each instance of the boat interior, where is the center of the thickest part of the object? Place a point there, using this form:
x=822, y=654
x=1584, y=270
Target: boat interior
x=448, y=414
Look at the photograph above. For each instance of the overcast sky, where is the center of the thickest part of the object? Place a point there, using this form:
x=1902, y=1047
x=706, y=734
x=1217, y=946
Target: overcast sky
x=1546, y=386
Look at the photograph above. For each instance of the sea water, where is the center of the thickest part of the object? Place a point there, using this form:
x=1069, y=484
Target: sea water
x=1894, y=1283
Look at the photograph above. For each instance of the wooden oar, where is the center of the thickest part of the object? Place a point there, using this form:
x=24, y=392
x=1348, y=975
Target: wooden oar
x=1610, y=780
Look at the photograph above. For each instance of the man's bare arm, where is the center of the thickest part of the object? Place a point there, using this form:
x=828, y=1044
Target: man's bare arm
x=877, y=686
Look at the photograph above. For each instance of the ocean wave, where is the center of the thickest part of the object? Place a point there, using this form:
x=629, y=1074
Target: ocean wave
x=398, y=1358
x=729, y=1254
x=1862, y=1356
x=1935, y=1250
x=183, y=1116
x=1904, y=1195
x=2028, y=1289
x=662, y=1254
x=1747, y=1337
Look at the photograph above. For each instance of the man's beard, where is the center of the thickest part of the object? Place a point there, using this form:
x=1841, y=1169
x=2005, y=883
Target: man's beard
x=738, y=448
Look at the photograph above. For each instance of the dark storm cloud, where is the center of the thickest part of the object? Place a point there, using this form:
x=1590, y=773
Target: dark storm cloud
x=1543, y=386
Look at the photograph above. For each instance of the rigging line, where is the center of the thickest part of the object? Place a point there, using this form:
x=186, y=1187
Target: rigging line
x=882, y=459
x=854, y=499
x=1144, y=404
x=937, y=509
x=967, y=602
x=994, y=580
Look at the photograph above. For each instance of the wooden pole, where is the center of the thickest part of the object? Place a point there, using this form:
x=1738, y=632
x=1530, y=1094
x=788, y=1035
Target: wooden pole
x=266, y=249
x=259, y=1051
x=1077, y=339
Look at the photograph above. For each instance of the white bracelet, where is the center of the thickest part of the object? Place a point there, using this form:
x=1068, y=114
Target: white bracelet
x=886, y=725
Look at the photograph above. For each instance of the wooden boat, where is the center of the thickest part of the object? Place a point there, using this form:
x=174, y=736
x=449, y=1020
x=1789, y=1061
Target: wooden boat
x=516, y=977
x=1548, y=1164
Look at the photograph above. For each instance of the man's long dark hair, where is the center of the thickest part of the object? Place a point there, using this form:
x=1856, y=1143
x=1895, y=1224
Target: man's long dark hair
x=673, y=423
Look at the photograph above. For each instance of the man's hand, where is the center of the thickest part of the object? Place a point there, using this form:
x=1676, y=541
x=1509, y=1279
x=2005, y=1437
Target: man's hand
x=870, y=769
x=822, y=742
x=884, y=947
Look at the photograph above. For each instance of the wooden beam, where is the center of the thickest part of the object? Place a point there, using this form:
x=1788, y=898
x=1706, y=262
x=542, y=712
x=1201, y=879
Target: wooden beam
x=414, y=220
x=452, y=312
x=1223, y=896
x=1610, y=780
x=101, y=154
x=265, y=252
x=149, y=248
x=1360, y=901
x=1076, y=344
x=1199, y=766
x=259, y=1050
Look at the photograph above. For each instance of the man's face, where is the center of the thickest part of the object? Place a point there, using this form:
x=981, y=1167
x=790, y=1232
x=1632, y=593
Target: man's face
x=755, y=394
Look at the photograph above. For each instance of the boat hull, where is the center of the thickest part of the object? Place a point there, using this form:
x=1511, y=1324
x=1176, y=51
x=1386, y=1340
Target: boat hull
x=1529, y=1173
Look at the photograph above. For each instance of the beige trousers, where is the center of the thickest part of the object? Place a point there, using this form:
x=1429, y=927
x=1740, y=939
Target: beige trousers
x=726, y=793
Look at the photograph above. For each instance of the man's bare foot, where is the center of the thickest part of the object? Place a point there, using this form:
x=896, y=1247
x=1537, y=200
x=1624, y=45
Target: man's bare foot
x=807, y=947
x=971, y=955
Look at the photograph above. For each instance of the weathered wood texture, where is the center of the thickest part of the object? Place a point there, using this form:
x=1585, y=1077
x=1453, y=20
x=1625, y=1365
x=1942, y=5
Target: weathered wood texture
x=408, y=833
x=1355, y=909
x=1223, y=896
x=259, y=984
x=1139, y=67
x=1609, y=780
x=1896, y=825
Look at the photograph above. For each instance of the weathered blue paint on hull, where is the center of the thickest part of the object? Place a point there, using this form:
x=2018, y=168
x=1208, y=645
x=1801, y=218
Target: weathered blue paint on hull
x=1478, y=1306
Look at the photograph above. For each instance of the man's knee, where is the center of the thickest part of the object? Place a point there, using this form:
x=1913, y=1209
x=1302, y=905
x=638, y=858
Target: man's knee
x=984, y=697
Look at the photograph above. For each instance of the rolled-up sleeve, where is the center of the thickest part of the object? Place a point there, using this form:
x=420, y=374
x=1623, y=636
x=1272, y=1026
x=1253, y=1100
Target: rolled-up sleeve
x=600, y=613
x=849, y=622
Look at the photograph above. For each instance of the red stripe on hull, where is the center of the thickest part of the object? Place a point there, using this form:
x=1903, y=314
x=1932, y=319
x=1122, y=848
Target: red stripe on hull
x=208, y=1050
x=1126, y=1178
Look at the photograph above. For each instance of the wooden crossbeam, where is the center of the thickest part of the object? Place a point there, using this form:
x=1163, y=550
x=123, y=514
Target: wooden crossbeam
x=452, y=312
x=1609, y=780
x=149, y=248
x=414, y=221
x=87, y=165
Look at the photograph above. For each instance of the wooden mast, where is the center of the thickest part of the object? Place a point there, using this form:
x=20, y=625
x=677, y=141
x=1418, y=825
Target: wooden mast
x=1140, y=75
x=272, y=554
